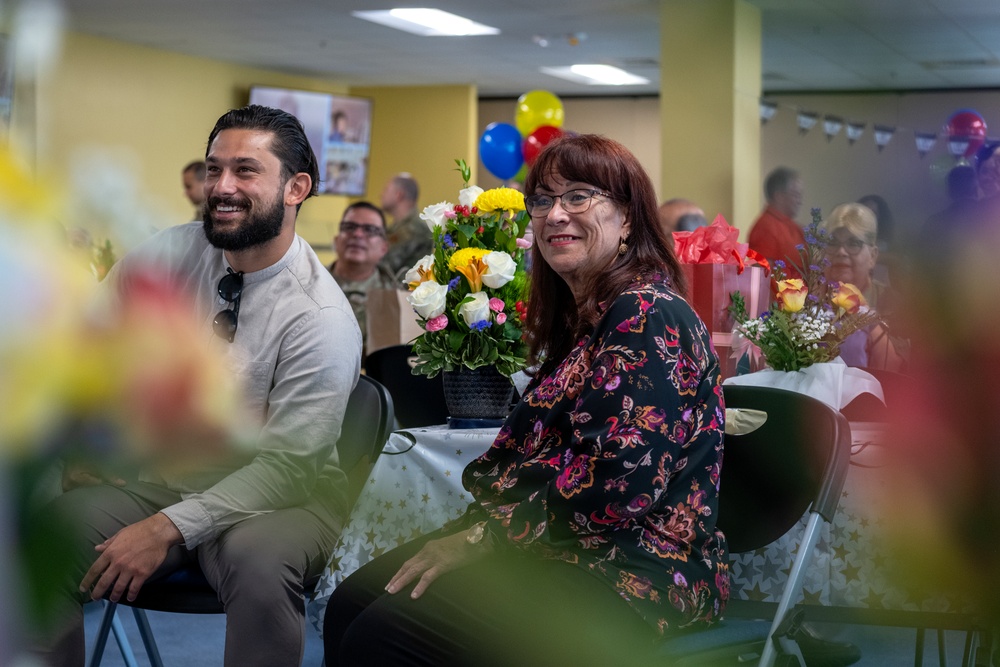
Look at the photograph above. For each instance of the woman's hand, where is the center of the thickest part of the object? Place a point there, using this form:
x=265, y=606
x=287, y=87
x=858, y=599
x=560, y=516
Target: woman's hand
x=436, y=558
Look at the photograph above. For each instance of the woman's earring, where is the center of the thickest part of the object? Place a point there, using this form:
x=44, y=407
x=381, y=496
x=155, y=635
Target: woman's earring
x=622, y=247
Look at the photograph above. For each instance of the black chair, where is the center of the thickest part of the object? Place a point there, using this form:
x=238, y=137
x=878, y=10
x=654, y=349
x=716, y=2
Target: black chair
x=367, y=424
x=796, y=461
x=418, y=399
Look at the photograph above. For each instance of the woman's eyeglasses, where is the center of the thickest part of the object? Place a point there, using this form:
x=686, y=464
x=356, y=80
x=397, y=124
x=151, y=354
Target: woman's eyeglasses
x=852, y=246
x=230, y=289
x=573, y=201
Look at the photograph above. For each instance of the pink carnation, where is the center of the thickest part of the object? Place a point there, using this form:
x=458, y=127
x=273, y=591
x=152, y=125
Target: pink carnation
x=451, y=215
x=501, y=318
x=523, y=243
x=496, y=305
x=437, y=323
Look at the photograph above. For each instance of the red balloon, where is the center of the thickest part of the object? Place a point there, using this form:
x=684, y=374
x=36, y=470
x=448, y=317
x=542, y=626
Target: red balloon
x=967, y=125
x=537, y=140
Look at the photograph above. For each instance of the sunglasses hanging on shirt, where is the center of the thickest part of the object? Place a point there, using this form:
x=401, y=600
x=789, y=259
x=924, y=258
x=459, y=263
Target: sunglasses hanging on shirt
x=230, y=289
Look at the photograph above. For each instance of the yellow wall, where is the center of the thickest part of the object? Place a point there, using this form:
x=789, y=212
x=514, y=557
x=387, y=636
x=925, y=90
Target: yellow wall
x=631, y=121
x=151, y=111
x=422, y=130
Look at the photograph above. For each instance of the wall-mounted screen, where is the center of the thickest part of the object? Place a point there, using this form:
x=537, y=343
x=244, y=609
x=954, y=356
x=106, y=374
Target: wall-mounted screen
x=338, y=128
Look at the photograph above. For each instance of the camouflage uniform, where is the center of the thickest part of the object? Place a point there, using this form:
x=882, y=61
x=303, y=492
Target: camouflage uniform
x=356, y=292
x=409, y=240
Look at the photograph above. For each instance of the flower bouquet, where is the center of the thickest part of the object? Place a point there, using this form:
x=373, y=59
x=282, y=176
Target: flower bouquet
x=469, y=295
x=810, y=318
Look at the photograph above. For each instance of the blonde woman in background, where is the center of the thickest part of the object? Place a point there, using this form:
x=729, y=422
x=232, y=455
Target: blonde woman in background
x=852, y=252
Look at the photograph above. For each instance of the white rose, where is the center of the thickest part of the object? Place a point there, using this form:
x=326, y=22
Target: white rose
x=434, y=215
x=476, y=310
x=500, y=269
x=469, y=195
x=428, y=299
x=423, y=266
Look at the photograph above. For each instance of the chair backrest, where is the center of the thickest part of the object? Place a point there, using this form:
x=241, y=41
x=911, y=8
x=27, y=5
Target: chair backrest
x=796, y=460
x=417, y=399
x=368, y=422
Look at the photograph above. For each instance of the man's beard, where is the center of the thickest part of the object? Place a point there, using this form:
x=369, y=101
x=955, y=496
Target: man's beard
x=257, y=228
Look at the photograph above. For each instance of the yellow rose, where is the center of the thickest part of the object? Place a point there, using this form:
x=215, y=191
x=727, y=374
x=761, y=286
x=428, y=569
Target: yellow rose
x=848, y=298
x=792, y=295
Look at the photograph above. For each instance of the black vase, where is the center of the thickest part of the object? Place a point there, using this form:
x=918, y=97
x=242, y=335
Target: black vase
x=482, y=394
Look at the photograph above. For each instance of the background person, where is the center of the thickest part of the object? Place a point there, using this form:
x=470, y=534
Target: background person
x=261, y=522
x=193, y=181
x=360, y=244
x=852, y=253
x=592, y=531
x=680, y=215
x=776, y=234
x=409, y=237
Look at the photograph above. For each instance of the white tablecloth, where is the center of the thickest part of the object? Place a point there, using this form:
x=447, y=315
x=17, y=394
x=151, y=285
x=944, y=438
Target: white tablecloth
x=414, y=488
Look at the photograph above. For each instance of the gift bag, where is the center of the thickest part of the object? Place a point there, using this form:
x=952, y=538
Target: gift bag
x=390, y=319
x=716, y=265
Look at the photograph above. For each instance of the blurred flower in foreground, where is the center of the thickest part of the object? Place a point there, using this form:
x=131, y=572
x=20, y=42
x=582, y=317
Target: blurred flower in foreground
x=944, y=522
x=115, y=382
x=144, y=370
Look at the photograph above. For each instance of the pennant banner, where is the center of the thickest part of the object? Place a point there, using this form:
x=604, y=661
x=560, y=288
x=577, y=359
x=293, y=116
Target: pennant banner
x=854, y=132
x=925, y=142
x=806, y=121
x=831, y=126
x=962, y=142
x=883, y=135
x=767, y=110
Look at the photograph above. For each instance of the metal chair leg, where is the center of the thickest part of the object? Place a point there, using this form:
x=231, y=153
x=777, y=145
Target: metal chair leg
x=111, y=623
x=147, y=637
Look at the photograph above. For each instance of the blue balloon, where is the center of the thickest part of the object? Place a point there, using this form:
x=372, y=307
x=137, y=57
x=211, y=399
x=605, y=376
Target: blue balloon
x=500, y=150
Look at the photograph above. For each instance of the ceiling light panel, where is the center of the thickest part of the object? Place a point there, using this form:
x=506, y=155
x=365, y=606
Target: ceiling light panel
x=426, y=22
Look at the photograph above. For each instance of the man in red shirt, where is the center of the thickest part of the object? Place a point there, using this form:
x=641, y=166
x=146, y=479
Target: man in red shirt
x=775, y=234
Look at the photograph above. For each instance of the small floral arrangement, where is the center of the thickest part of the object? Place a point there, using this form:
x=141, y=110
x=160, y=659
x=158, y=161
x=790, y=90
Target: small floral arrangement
x=469, y=295
x=810, y=317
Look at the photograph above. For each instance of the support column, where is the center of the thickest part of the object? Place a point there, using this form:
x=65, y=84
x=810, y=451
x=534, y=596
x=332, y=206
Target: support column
x=710, y=85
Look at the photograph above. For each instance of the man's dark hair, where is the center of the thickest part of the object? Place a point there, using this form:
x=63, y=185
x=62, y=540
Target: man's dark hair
x=778, y=181
x=364, y=205
x=197, y=168
x=288, y=142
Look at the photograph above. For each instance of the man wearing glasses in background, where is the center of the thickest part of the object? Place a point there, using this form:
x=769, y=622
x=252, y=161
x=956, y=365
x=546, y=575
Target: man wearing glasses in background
x=360, y=244
x=261, y=522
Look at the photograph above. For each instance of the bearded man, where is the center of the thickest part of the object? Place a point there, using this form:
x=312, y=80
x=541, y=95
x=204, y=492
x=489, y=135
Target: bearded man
x=262, y=522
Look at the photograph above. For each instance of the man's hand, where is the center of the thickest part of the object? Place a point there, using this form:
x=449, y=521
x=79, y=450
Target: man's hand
x=434, y=559
x=129, y=556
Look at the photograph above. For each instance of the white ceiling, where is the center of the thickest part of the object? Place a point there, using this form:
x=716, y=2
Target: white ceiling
x=808, y=45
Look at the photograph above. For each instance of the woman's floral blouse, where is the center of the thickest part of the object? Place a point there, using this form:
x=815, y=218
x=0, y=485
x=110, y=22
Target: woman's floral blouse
x=612, y=462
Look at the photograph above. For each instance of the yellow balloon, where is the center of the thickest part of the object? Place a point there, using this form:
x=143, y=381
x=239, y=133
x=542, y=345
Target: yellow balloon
x=536, y=108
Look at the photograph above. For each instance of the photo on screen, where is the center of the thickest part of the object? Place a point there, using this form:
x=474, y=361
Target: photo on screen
x=338, y=128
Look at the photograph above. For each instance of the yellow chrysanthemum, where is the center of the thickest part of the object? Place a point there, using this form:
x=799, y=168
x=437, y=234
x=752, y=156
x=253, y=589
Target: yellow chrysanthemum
x=469, y=262
x=500, y=199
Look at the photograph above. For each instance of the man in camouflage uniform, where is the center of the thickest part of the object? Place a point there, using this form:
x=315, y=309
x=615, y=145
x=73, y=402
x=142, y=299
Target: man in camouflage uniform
x=409, y=237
